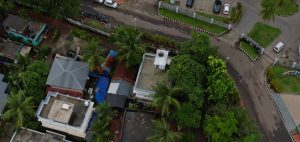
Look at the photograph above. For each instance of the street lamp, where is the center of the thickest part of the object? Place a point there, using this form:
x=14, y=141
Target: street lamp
x=134, y=19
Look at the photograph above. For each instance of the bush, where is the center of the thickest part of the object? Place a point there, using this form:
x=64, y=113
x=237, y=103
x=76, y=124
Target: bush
x=276, y=85
x=188, y=137
x=44, y=51
x=160, y=39
x=81, y=34
x=56, y=34
x=236, y=13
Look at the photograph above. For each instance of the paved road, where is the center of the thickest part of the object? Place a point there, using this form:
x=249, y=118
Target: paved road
x=248, y=75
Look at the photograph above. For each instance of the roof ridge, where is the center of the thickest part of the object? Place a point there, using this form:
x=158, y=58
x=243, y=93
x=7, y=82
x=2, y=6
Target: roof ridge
x=53, y=78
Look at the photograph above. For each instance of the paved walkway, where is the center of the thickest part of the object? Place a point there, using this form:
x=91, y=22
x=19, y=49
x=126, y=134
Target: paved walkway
x=287, y=118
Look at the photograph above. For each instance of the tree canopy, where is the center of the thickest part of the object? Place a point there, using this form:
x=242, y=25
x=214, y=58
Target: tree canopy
x=269, y=8
x=186, y=72
x=188, y=116
x=93, y=55
x=163, y=133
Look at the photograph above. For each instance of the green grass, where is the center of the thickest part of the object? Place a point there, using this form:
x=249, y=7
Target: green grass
x=216, y=17
x=249, y=49
x=264, y=34
x=288, y=84
x=93, y=23
x=191, y=21
x=287, y=8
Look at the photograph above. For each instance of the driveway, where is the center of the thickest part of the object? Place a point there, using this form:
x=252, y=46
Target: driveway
x=248, y=75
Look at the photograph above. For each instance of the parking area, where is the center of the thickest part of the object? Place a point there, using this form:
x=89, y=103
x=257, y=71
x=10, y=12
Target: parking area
x=206, y=6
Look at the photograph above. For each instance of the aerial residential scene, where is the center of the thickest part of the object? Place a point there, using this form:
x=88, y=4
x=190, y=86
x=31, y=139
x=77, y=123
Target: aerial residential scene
x=149, y=71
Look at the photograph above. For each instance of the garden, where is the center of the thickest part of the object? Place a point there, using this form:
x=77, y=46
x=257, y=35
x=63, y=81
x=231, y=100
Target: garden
x=191, y=21
x=263, y=34
x=283, y=84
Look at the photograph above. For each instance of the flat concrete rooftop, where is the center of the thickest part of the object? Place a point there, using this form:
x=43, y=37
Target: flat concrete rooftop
x=28, y=135
x=74, y=116
x=149, y=76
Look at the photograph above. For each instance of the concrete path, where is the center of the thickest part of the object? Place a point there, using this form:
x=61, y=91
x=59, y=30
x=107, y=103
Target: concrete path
x=249, y=76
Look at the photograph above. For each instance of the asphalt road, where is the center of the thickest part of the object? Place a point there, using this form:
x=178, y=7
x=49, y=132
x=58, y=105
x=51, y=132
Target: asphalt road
x=249, y=76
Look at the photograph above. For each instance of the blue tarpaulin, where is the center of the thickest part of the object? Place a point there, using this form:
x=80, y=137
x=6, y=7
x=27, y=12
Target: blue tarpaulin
x=102, y=86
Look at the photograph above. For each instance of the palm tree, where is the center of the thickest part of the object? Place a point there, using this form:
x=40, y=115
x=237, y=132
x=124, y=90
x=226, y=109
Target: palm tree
x=162, y=133
x=163, y=98
x=19, y=109
x=100, y=131
x=92, y=55
x=129, y=41
x=269, y=8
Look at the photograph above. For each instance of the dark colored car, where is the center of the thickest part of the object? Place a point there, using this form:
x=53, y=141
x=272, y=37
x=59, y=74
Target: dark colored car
x=217, y=6
x=189, y=3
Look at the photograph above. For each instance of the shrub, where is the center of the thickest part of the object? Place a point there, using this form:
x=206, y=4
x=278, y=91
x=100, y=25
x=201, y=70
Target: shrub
x=56, y=34
x=81, y=34
x=188, y=137
x=44, y=51
x=276, y=85
x=236, y=13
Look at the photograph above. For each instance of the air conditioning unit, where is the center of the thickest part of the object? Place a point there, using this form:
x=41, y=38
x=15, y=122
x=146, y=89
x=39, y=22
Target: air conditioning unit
x=65, y=107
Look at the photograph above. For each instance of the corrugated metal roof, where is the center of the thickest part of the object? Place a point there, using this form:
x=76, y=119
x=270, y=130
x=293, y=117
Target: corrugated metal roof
x=68, y=73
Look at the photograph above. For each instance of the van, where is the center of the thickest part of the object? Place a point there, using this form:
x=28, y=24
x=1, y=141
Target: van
x=278, y=47
x=189, y=3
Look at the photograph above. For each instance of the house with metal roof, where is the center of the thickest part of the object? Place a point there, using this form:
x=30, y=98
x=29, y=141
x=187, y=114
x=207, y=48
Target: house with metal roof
x=68, y=76
x=3, y=94
x=9, y=51
x=23, y=30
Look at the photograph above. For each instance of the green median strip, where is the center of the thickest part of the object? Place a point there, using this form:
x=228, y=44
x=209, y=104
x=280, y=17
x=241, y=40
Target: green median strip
x=264, y=34
x=191, y=21
x=253, y=53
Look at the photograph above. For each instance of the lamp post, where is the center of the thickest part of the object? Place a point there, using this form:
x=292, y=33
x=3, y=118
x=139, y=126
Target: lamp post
x=134, y=20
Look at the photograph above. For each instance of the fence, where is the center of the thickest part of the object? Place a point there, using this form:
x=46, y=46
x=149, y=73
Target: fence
x=193, y=14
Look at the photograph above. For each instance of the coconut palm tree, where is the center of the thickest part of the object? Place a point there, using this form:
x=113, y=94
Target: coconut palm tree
x=162, y=133
x=104, y=111
x=129, y=42
x=163, y=98
x=19, y=109
x=92, y=54
x=100, y=131
x=269, y=8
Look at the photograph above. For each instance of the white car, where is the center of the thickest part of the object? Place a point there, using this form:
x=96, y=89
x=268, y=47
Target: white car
x=110, y=3
x=278, y=47
x=226, y=9
x=98, y=1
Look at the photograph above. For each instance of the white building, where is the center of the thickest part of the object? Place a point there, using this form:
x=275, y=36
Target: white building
x=151, y=71
x=65, y=113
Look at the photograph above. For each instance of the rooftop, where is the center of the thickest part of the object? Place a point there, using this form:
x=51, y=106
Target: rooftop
x=148, y=74
x=3, y=95
x=137, y=126
x=23, y=26
x=28, y=135
x=57, y=111
x=10, y=49
x=68, y=73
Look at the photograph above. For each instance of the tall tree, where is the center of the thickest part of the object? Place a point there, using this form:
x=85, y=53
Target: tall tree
x=163, y=98
x=92, y=54
x=269, y=8
x=162, y=133
x=19, y=108
x=186, y=72
x=131, y=49
x=221, y=128
x=188, y=116
x=198, y=47
x=61, y=8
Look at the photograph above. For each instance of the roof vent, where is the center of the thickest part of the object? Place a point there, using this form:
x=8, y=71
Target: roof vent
x=65, y=107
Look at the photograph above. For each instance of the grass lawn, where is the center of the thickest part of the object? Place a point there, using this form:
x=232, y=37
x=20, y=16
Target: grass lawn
x=218, y=18
x=191, y=21
x=264, y=34
x=287, y=8
x=288, y=84
x=249, y=49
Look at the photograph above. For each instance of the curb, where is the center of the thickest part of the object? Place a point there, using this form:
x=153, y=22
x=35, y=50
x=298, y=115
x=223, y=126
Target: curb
x=268, y=86
x=252, y=59
x=191, y=27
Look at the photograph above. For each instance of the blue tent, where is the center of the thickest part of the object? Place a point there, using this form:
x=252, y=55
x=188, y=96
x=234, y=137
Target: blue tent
x=102, y=86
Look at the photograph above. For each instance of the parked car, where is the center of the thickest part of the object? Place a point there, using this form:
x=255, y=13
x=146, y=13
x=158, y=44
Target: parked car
x=98, y=1
x=226, y=9
x=217, y=6
x=189, y=3
x=110, y=3
x=278, y=47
